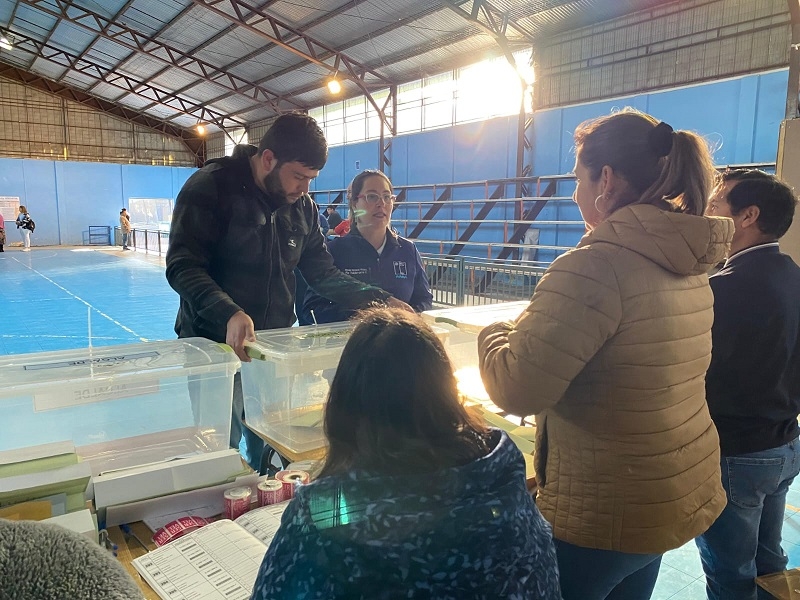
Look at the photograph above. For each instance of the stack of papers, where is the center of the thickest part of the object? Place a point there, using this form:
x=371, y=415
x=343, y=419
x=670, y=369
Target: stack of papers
x=50, y=473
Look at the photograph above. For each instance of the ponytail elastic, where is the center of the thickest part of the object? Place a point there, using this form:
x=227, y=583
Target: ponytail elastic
x=660, y=139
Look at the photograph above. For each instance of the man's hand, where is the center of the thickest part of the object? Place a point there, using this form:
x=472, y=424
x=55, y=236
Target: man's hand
x=395, y=303
x=240, y=330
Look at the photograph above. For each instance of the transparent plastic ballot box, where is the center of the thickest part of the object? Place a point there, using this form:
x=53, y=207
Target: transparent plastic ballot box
x=464, y=324
x=286, y=388
x=121, y=406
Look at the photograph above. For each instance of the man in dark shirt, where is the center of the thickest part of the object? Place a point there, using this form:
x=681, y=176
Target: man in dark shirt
x=240, y=227
x=753, y=383
x=333, y=216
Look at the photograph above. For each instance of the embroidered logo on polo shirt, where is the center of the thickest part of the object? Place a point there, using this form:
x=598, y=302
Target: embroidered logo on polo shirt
x=400, y=269
x=292, y=243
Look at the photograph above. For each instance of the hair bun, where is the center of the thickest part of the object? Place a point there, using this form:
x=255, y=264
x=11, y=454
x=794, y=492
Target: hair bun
x=660, y=139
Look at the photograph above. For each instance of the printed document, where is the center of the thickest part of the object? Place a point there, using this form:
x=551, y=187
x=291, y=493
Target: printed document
x=218, y=561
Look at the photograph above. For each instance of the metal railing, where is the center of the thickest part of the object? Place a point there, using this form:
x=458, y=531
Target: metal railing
x=464, y=281
x=455, y=281
x=150, y=241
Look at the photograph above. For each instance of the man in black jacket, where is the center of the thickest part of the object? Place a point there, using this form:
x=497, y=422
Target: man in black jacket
x=753, y=383
x=241, y=225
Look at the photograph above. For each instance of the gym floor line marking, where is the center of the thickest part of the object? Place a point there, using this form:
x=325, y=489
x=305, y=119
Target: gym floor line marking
x=79, y=299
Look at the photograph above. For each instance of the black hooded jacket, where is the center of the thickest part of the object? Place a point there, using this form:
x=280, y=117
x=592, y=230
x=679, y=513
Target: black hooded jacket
x=232, y=248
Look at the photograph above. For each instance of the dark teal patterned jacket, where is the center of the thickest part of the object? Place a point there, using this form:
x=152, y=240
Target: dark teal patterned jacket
x=464, y=533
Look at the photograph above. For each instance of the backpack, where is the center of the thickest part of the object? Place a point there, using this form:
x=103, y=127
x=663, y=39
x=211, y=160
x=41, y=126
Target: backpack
x=29, y=225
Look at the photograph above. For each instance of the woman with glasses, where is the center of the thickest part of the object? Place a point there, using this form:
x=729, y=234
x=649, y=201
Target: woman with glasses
x=372, y=252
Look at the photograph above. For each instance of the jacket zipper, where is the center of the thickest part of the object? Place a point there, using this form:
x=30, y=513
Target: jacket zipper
x=273, y=234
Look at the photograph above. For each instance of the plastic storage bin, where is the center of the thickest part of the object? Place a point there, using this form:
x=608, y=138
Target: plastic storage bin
x=285, y=394
x=464, y=324
x=121, y=406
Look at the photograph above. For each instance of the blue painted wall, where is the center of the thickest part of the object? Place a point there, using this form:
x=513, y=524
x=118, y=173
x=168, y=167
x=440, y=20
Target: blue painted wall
x=740, y=117
x=64, y=198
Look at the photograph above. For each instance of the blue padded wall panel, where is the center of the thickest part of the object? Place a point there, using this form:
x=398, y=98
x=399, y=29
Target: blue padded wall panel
x=12, y=178
x=358, y=157
x=770, y=110
x=484, y=150
x=41, y=200
x=179, y=177
x=739, y=117
x=332, y=175
x=399, y=168
x=81, y=205
x=430, y=156
x=65, y=198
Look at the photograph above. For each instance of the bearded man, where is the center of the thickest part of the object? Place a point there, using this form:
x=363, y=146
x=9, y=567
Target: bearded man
x=241, y=225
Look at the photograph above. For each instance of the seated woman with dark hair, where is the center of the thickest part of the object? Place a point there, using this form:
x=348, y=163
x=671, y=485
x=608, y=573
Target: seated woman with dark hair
x=416, y=498
x=372, y=252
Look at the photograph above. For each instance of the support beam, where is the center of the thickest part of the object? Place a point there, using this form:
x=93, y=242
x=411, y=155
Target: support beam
x=124, y=82
x=388, y=115
x=491, y=19
x=499, y=24
x=793, y=87
x=301, y=44
x=91, y=44
x=346, y=46
x=154, y=49
x=194, y=143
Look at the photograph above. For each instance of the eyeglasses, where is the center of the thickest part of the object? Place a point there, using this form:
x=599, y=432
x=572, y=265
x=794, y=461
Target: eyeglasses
x=373, y=198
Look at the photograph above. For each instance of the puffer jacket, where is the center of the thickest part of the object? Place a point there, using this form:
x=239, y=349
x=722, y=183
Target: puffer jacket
x=611, y=356
x=232, y=247
x=463, y=533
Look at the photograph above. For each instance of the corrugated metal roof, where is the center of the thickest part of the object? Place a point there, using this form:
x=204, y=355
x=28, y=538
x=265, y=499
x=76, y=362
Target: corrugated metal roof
x=77, y=79
x=70, y=38
x=143, y=67
x=107, y=92
x=106, y=52
x=175, y=79
x=146, y=16
x=234, y=104
x=194, y=26
x=48, y=69
x=396, y=42
x=30, y=21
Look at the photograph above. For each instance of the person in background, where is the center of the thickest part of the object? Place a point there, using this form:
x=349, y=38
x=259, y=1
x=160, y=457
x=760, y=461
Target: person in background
x=343, y=228
x=323, y=221
x=611, y=356
x=24, y=225
x=416, y=498
x=753, y=383
x=373, y=253
x=125, y=227
x=241, y=225
x=334, y=218
x=2, y=232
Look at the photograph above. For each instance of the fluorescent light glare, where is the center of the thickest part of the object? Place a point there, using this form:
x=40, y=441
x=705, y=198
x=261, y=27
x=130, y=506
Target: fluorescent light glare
x=5, y=43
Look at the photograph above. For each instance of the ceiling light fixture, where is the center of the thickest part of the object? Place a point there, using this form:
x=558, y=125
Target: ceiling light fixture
x=6, y=43
x=201, y=130
x=334, y=87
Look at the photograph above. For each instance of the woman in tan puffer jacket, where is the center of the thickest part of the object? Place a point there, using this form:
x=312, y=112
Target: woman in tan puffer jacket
x=611, y=356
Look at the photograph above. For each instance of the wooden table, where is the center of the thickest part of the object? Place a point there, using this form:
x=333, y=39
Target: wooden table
x=130, y=549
